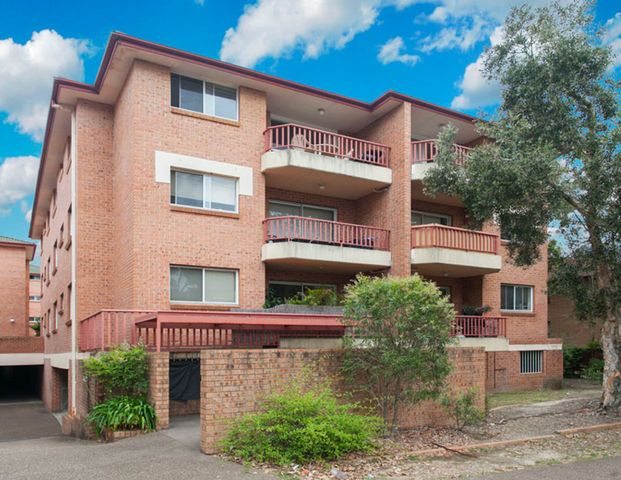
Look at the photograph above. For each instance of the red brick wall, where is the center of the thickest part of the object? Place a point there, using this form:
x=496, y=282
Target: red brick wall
x=503, y=372
x=21, y=344
x=565, y=325
x=13, y=291
x=159, y=386
x=234, y=382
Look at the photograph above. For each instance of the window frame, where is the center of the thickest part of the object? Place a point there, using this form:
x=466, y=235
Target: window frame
x=205, y=189
x=536, y=360
x=203, y=302
x=204, y=112
x=334, y=211
x=514, y=310
x=448, y=218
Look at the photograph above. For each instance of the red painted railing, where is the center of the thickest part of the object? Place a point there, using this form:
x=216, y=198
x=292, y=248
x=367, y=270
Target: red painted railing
x=441, y=236
x=313, y=230
x=327, y=143
x=425, y=151
x=195, y=330
x=108, y=328
x=474, y=326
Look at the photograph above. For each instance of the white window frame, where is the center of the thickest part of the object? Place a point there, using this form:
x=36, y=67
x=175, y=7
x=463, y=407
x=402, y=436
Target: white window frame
x=532, y=290
x=204, y=112
x=449, y=219
x=205, y=190
x=34, y=298
x=203, y=302
x=535, y=358
x=302, y=205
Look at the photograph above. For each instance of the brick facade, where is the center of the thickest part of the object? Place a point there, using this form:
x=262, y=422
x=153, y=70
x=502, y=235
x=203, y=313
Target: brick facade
x=503, y=372
x=564, y=324
x=234, y=382
x=127, y=234
x=159, y=387
x=14, y=288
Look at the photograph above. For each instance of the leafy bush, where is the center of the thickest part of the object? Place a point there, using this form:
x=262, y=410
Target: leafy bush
x=121, y=371
x=123, y=413
x=272, y=300
x=400, y=352
x=594, y=370
x=475, y=311
x=462, y=409
x=316, y=297
x=300, y=426
x=577, y=359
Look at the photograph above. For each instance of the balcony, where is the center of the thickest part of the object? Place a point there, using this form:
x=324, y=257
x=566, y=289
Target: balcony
x=298, y=243
x=308, y=160
x=424, y=153
x=479, y=327
x=438, y=250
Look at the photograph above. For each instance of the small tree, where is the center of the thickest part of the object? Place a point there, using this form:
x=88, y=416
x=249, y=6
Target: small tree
x=398, y=353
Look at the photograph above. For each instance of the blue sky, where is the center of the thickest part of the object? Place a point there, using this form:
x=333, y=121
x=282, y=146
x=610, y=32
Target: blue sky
x=359, y=48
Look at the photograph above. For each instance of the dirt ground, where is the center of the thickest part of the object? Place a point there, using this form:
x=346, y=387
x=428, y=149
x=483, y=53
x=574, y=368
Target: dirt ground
x=398, y=458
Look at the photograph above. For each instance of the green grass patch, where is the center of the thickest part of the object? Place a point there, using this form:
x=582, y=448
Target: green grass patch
x=524, y=398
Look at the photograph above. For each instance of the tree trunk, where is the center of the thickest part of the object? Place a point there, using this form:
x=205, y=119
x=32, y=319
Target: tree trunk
x=611, y=346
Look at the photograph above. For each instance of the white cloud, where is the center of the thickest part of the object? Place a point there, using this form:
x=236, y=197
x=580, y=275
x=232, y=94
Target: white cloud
x=392, y=51
x=276, y=28
x=463, y=36
x=476, y=90
x=27, y=72
x=612, y=37
x=18, y=177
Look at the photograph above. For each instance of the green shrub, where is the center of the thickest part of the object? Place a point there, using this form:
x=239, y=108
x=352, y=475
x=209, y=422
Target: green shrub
x=578, y=359
x=121, y=371
x=462, y=409
x=594, y=370
x=300, y=426
x=316, y=297
x=123, y=413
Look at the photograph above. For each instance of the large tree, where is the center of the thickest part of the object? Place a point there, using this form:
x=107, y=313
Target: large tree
x=552, y=157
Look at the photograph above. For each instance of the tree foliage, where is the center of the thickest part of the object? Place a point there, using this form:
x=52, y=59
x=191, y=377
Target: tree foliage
x=552, y=153
x=399, y=351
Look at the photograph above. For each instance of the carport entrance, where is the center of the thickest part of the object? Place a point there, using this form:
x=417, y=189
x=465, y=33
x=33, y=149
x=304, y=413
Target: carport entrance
x=20, y=382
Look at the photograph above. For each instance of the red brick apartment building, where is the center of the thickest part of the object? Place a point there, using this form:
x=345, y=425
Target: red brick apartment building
x=21, y=353
x=177, y=183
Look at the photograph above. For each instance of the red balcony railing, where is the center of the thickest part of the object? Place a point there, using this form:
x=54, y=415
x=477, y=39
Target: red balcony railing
x=313, y=230
x=441, y=236
x=425, y=151
x=327, y=143
x=108, y=328
x=474, y=326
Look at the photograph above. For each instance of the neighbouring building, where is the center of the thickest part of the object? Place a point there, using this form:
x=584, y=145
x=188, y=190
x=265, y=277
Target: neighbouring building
x=21, y=353
x=564, y=324
x=178, y=184
x=34, y=299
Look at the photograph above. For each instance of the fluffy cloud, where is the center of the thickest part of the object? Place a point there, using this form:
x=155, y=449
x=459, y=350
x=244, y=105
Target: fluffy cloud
x=276, y=28
x=612, y=37
x=18, y=177
x=27, y=72
x=476, y=90
x=393, y=51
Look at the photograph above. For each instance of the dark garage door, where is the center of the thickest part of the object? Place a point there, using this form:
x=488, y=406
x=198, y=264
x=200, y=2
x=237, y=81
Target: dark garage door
x=20, y=383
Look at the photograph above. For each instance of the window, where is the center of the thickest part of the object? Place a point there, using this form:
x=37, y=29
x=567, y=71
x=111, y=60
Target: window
x=203, y=285
x=55, y=257
x=203, y=191
x=61, y=236
x=68, y=307
x=35, y=298
x=531, y=362
x=61, y=304
x=35, y=276
x=424, y=218
x=48, y=270
x=518, y=298
x=285, y=290
x=281, y=209
x=34, y=319
x=68, y=227
x=203, y=97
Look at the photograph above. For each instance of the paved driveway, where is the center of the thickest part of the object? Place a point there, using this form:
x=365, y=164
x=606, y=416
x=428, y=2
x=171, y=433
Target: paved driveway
x=24, y=420
x=32, y=448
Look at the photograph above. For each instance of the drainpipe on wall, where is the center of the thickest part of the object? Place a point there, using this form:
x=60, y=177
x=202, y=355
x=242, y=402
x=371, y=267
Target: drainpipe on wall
x=74, y=244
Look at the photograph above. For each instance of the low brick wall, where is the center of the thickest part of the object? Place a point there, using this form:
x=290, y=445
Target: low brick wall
x=234, y=382
x=503, y=372
x=21, y=344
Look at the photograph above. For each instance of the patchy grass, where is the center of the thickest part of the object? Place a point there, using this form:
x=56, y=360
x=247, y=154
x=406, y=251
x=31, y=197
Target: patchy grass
x=524, y=398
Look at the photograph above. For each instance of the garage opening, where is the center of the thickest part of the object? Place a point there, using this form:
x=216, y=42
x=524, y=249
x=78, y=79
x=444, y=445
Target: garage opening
x=185, y=383
x=20, y=383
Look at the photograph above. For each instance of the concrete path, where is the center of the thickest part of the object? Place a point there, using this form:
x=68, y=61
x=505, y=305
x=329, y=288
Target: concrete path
x=24, y=420
x=605, y=468
x=32, y=448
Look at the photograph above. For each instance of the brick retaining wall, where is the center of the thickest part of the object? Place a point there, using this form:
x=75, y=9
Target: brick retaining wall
x=234, y=382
